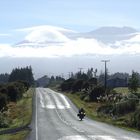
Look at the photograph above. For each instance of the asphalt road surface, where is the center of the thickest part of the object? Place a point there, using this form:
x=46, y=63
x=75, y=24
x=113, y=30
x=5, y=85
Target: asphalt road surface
x=55, y=118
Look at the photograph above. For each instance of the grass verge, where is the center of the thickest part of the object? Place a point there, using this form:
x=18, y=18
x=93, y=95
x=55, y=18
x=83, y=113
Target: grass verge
x=91, y=112
x=19, y=114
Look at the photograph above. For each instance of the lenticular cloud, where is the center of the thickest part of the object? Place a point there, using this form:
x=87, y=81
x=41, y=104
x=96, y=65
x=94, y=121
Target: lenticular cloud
x=49, y=41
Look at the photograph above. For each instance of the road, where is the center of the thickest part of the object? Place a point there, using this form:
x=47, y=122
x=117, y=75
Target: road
x=55, y=118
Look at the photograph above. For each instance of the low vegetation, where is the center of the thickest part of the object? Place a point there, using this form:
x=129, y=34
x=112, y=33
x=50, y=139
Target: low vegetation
x=16, y=136
x=16, y=104
x=118, y=106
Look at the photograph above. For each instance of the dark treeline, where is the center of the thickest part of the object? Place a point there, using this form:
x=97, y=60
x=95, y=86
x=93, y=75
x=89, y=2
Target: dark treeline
x=90, y=78
x=4, y=78
x=24, y=74
x=46, y=81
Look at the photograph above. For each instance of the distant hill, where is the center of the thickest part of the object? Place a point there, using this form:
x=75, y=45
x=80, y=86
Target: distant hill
x=43, y=36
x=112, y=34
x=43, y=81
x=113, y=31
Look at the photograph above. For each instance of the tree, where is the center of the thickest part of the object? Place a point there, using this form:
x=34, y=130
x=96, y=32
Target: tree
x=77, y=86
x=3, y=101
x=23, y=74
x=15, y=91
x=133, y=83
x=90, y=73
x=67, y=84
x=4, y=78
x=96, y=92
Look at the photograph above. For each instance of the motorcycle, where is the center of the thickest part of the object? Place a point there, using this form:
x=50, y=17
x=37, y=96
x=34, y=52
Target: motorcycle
x=81, y=115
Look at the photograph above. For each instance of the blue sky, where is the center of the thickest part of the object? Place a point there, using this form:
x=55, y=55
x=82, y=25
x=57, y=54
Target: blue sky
x=80, y=15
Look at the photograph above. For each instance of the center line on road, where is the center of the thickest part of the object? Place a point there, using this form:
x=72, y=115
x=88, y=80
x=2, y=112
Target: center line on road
x=69, y=124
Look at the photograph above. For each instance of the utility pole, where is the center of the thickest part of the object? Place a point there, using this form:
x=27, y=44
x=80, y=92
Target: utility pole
x=105, y=61
x=80, y=69
x=95, y=71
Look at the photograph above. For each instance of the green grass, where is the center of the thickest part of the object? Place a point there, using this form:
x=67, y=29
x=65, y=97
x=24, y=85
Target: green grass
x=124, y=90
x=91, y=107
x=19, y=114
x=17, y=136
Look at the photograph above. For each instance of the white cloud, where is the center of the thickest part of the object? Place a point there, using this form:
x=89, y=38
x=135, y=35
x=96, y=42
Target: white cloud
x=135, y=38
x=49, y=41
x=44, y=27
x=70, y=48
x=5, y=35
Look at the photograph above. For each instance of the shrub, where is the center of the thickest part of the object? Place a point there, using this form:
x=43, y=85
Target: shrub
x=3, y=101
x=135, y=119
x=124, y=107
x=105, y=109
x=96, y=92
x=85, y=86
x=15, y=91
x=77, y=86
x=4, y=122
x=67, y=84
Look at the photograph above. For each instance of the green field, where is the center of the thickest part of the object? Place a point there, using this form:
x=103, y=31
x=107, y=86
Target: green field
x=124, y=90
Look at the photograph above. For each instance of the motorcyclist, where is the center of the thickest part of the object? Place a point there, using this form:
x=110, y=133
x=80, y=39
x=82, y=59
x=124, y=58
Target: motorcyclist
x=81, y=113
x=81, y=110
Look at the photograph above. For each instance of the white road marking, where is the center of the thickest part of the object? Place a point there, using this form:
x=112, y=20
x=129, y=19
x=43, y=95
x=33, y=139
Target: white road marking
x=95, y=137
x=78, y=137
x=103, y=137
x=69, y=124
x=47, y=102
x=50, y=106
x=41, y=100
x=130, y=138
x=65, y=100
x=36, y=120
x=57, y=101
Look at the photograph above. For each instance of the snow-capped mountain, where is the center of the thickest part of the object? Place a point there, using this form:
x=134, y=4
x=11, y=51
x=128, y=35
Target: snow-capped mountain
x=43, y=36
x=112, y=34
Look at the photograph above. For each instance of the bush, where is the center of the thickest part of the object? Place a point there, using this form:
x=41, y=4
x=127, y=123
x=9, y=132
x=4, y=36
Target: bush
x=124, y=107
x=15, y=91
x=96, y=92
x=3, y=101
x=67, y=84
x=105, y=109
x=4, y=122
x=3, y=89
x=85, y=86
x=77, y=86
x=135, y=119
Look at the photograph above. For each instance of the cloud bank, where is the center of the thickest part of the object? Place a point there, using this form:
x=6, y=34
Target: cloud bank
x=51, y=42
